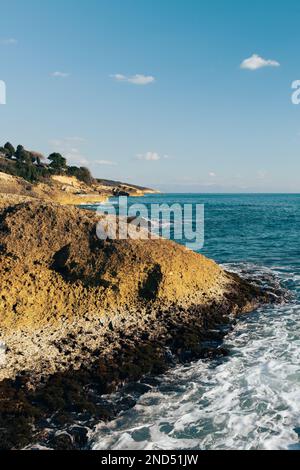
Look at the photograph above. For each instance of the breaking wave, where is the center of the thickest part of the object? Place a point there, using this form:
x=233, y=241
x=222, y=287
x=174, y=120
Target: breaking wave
x=248, y=400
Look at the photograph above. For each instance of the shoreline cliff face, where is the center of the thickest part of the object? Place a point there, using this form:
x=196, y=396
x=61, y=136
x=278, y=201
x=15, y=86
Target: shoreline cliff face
x=80, y=317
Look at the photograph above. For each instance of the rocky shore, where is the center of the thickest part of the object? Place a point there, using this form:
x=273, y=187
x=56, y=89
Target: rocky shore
x=80, y=317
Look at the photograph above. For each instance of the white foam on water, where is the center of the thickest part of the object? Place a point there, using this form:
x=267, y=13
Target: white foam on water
x=249, y=400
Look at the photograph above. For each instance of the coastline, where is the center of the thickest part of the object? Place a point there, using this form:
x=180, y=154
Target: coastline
x=97, y=315
x=65, y=190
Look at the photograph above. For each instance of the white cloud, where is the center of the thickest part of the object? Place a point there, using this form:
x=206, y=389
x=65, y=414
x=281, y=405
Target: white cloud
x=256, y=62
x=60, y=74
x=137, y=79
x=149, y=156
x=8, y=41
x=106, y=162
x=152, y=156
x=119, y=77
x=212, y=174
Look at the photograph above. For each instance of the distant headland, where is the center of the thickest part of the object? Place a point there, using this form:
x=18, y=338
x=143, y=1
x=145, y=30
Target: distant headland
x=28, y=174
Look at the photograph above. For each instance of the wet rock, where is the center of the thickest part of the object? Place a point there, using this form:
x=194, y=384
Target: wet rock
x=79, y=434
x=62, y=441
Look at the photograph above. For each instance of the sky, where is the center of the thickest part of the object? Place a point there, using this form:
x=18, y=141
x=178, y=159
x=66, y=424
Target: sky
x=179, y=95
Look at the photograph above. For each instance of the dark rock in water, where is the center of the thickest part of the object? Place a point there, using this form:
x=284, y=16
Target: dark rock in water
x=120, y=192
x=62, y=441
x=79, y=435
x=137, y=388
x=212, y=353
x=124, y=404
x=151, y=381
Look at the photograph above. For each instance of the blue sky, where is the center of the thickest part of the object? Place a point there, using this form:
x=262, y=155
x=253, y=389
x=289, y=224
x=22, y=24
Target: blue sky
x=153, y=92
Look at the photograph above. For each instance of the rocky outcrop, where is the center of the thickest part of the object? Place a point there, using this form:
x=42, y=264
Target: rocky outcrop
x=78, y=313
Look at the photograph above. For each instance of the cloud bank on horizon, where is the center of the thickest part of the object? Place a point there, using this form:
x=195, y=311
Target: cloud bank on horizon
x=256, y=62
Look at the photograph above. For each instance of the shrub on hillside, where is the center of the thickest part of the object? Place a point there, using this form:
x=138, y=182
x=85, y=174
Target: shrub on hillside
x=82, y=173
x=58, y=162
x=10, y=150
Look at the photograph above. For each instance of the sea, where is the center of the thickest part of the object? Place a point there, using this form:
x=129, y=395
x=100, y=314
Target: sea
x=249, y=399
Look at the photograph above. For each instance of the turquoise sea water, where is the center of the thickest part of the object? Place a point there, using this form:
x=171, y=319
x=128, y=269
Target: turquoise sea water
x=251, y=399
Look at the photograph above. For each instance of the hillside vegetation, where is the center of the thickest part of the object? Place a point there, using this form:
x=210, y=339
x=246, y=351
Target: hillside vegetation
x=32, y=165
x=28, y=173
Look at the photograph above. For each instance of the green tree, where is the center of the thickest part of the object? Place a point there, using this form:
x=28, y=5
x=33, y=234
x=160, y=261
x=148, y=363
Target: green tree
x=58, y=162
x=22, y=155
x=27, y=171
x=10, y=150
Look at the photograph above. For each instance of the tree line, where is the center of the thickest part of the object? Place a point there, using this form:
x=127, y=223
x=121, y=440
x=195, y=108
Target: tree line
x=32, y=166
